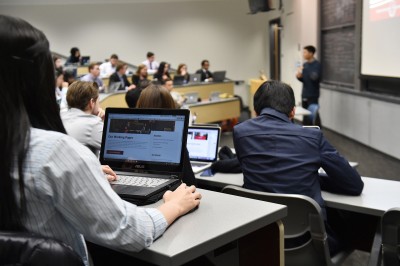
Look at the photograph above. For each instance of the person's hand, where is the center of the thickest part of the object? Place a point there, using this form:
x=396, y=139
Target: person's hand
x=133, y=86
x=101, y=113
x=111, y=176
x=179, y=202
x=65, y=84
x=299, y=73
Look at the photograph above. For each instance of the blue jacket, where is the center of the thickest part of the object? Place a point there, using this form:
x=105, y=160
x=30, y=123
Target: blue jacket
x=279, y=156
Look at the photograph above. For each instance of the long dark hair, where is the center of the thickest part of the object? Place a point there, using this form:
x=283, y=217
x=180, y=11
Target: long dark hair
x=27, y=99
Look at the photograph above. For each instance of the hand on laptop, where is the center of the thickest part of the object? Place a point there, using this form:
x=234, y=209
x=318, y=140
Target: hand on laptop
x=179, y=202
x=111, y=176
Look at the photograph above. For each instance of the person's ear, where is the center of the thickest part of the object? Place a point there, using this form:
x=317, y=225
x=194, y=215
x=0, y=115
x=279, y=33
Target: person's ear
x=292, y=113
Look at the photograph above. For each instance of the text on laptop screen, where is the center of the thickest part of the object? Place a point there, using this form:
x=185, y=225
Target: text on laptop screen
x=144, y=138
x=202, y=143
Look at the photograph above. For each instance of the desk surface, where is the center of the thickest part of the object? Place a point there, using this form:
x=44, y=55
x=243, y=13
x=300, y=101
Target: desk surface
x=215, y=223
x=378, y=195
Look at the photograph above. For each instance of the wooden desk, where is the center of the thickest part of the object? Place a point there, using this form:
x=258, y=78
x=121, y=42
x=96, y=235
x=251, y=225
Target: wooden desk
x=82, y=70
x=256, y=229
x=206, y=88
x=116, y=99
x=212, y=111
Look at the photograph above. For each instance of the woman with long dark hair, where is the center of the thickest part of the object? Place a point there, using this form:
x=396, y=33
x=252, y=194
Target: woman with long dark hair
x=162, y=72
x=51, y=184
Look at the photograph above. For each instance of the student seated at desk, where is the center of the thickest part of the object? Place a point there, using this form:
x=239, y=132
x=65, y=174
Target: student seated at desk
x=279, y=156
x=178, y=98
x=162, y=72
x=156, y=96
x=108, y=68
x=182, y=71
x=51, y=184
x=140, y=75
x=206, y=75
x=151, y=64
x=93, y=75
x=75, y=56
x=120, y=76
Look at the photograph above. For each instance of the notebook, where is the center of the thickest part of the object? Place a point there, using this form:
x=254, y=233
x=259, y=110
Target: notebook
x=191, y=97
x=145, y=148
x=195, y=78
x=219, y=76
x=202, y=144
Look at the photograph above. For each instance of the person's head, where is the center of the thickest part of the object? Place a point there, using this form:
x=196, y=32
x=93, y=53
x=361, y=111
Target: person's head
x=132, y=97
x=276, y=95
x=150, y=56
x=57, y=62
x=121, y=68
x=308, y=52
x=163, y=68
x=205, y=64
x=114, y=60
x=156, y=96
x=182, y=69
x=168, y=84
x=75, y=52
x=69, y=76
x=94, y=69
x=142, y=70
x=59, y=78
x=27, y=100
x=84, y=95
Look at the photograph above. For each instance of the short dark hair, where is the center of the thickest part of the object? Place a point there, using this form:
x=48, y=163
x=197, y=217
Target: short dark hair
x=150, y=54
x=92, y=65
x=204, y=61
x=276, y=95
x=74, y=50
x=120, y=66
x=114, y=56
x=310, y=49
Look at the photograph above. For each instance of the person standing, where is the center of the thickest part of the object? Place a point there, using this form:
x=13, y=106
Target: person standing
x=310, y=75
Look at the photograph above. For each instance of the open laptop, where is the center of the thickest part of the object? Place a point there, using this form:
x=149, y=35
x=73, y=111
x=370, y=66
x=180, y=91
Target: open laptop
x=179, y=80
x=215, y=96
x=85, y=60
x=191, y=97
x=202, y=144
x=145, y=148
x=219, y=76
x=195, y=78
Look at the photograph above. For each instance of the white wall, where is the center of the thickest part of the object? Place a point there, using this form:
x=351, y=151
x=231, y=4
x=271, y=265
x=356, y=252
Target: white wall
x=177, y=32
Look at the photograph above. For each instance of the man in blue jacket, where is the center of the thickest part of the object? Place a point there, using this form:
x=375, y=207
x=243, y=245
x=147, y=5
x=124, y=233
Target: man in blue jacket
x=279, y=156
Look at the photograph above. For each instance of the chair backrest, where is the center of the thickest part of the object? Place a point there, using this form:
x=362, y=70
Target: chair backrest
x=391, y=237
x=22, y=248
x=303, y=225
x=313, y=108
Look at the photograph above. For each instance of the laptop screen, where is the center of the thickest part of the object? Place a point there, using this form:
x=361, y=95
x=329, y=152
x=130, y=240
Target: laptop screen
x=202, y=143
x=144, y=139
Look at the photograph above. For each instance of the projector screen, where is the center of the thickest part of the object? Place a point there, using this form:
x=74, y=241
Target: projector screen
x=380, y=47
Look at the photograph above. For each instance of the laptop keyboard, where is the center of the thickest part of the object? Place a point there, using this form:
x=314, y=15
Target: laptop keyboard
x=139, y=181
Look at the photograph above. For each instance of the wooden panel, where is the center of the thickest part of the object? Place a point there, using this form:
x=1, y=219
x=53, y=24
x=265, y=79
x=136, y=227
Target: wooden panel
x=82, y=70
x=113, y=100
x=205, y=89
x=216, y=111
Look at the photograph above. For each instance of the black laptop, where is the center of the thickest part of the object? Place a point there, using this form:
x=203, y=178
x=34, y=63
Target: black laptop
x=179, y=80
x=219, y=76
x=145, y=148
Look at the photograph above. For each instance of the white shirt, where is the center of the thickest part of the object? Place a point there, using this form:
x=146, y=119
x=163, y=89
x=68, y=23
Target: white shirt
x=106, y=69
x=69, y=198
x=153, y=68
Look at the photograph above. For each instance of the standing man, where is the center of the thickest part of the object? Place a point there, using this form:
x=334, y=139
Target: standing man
x=108, y=68
x=151, y=63
x=93, y=75
x=206, y=75
x=310, y=75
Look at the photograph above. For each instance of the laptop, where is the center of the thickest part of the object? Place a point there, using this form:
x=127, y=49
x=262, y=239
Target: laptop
x=115, y=86
x=145, y=148
x=191, y=97
x=179, y=80
x=195, y=78
x=219, y=76
x=215, y=96
x=202, y=144
x=85, y=60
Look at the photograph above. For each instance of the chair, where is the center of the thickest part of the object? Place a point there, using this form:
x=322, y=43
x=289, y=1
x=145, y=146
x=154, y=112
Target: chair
x=311, y=119
x=23, y=248
x=391, y=237
x=304, y=226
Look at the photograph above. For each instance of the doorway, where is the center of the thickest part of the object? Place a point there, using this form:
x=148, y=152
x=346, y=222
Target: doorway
x=275, y=48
